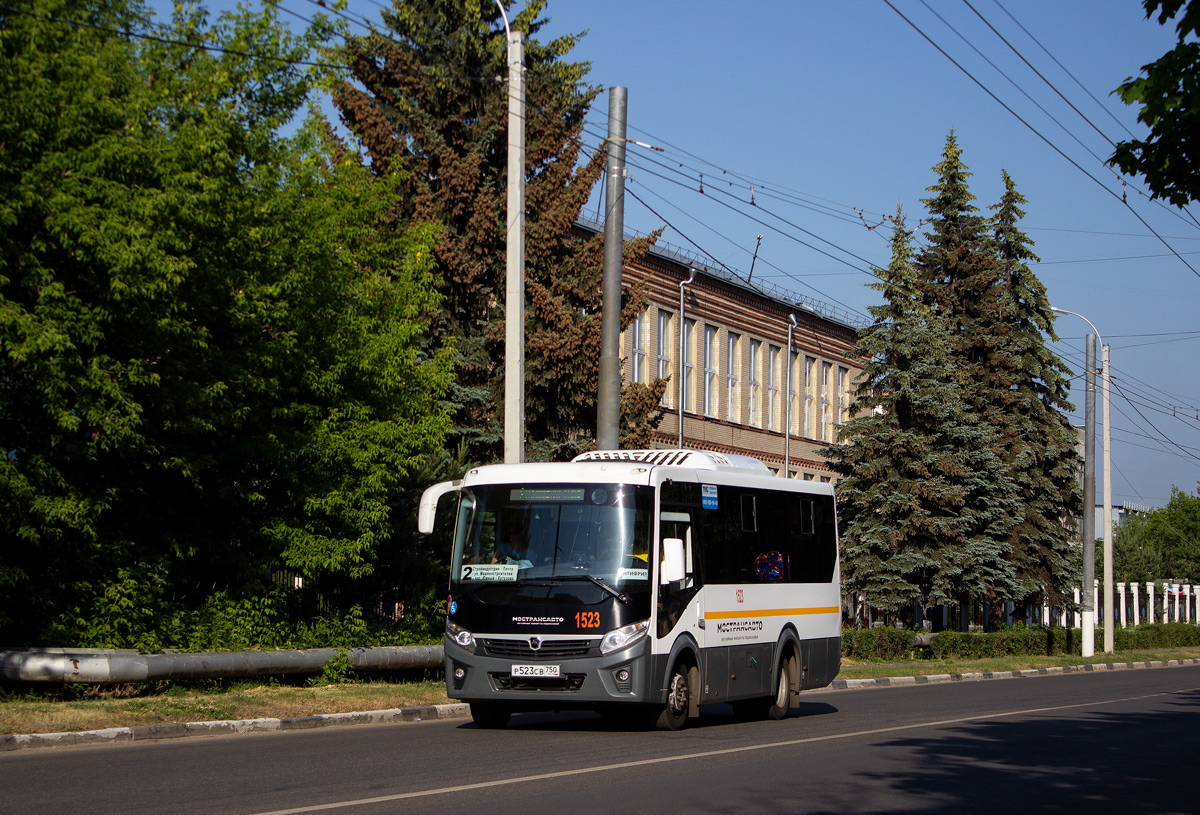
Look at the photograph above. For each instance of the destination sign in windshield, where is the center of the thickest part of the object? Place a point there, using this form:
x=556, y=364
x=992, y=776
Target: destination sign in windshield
x=559, y=494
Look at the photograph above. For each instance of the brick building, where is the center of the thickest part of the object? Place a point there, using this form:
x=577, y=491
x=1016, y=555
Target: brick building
x=735, y=362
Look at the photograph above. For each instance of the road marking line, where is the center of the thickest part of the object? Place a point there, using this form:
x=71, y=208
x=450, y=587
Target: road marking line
x=624, y=765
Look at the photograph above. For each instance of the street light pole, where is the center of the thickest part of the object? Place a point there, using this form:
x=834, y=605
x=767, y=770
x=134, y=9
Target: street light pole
x=1089, y=636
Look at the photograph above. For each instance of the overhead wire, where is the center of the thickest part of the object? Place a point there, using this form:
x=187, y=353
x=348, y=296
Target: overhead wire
x=1014, y=83
x=1064, y=68
x=699, y=248
x=1072, y=105
x=1123, y=199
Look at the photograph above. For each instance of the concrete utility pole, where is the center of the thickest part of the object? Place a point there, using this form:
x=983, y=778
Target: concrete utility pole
x=608, y=407
x=514, y=299
x=1088, y=644
x=1089, y=496
x=1109, y=625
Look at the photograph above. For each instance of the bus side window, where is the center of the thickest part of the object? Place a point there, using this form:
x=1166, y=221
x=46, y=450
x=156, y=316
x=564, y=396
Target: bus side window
x=749, y=513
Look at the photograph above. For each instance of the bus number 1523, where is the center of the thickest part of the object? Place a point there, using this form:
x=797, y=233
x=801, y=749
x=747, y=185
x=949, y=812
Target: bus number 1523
x=587, y=619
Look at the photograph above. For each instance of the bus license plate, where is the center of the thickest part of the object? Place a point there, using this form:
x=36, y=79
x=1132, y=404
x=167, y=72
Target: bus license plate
x=535, y=671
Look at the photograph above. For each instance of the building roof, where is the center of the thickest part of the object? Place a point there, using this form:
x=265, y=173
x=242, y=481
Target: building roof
x=691, y=260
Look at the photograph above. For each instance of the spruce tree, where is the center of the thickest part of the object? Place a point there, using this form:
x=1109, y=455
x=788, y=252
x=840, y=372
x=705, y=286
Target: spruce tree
x=962, y=279
x=960, y=480
x=1038, y=436
x=428, y=100
x=924, y=497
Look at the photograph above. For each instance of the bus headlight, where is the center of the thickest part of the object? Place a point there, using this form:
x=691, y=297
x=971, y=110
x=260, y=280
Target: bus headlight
x=461, y=636
x=624, y=636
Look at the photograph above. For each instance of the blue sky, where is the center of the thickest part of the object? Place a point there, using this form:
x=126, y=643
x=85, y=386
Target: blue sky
x=836, y=113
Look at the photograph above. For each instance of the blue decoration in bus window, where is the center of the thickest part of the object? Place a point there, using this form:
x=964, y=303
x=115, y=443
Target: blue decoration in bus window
x=709, y=496
x=770, y=567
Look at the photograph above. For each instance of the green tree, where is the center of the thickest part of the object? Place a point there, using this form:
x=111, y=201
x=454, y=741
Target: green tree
x=1135, y=556
x=427, y=100
x=1162, y=544
x=209, y=359
x=1168, y=93
x=962, y=278
x=1028, y=406
x=975, y=271
x=924, y=501
x=969, y=317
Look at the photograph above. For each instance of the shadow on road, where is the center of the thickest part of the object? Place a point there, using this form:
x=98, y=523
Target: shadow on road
x=585, y=720
x=1095, y=763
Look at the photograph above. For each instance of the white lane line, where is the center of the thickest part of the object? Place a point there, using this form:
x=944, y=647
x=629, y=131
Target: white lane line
x=624, y=765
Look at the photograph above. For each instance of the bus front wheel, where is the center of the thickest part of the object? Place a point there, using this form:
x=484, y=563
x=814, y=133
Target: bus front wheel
x=673, y=715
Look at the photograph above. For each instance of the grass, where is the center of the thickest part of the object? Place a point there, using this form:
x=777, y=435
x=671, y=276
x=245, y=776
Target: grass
x=58, y=709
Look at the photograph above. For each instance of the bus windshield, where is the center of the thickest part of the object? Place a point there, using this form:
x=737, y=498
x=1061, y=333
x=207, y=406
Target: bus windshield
x=517, y=533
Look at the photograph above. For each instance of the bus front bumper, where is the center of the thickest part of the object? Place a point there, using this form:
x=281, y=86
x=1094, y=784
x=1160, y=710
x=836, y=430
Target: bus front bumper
x=621, y=676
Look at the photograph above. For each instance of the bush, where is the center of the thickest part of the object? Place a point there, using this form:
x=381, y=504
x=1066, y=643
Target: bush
x=878, y=644
x=891, y=644
x=1159, y=635
x=1020, y=641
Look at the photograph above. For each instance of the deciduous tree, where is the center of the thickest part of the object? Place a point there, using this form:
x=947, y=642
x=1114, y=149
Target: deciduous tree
x=209, y=359
x=1168, y=93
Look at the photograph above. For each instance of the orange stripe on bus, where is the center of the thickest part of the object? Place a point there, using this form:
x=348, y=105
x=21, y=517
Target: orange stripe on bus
x=768, y=612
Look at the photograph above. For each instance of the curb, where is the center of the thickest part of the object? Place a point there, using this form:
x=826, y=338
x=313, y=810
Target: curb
x=175, y=730
x=894, y=681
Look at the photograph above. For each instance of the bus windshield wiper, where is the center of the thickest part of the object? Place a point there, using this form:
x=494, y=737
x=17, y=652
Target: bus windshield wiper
x=620, y=595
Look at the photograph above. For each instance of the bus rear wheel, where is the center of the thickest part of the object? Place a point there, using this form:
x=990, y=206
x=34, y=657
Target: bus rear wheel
x=768, y=707
x=673, y=715
x=490, y=715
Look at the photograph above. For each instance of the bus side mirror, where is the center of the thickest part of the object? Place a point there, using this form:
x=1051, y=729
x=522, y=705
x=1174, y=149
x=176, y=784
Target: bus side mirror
x=671, y=570
x=428, y=506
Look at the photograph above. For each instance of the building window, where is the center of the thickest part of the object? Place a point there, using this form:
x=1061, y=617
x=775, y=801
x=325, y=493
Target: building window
x=772, y=388
x=755, y=353
x=826, y=402
x=689, y=365
x=791, y=393
x=710, y=370
x=809, y=397
x=664, y=351
x=638, y=348
x=843, y=386
x=733, y=393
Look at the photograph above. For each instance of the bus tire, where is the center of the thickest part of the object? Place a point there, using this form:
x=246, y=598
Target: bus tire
x=673, y=715
x=779, y=706
x=490, y=715
x=768, y=707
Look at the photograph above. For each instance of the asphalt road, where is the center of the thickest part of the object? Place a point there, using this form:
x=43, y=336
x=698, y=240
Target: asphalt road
x=1122, y=741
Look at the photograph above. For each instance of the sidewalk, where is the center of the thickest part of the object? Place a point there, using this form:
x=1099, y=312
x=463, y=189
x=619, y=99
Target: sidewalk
x=176, y=730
